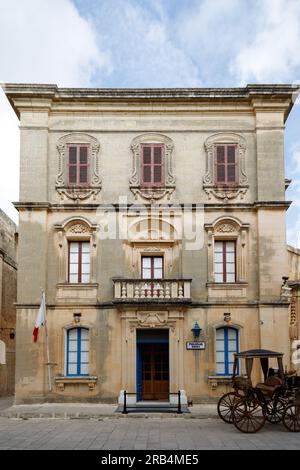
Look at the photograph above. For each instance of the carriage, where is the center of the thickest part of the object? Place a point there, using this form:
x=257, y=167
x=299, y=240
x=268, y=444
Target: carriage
x=275, y=400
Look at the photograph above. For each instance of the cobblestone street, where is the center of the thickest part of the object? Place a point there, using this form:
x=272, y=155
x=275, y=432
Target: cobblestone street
x=133, y=433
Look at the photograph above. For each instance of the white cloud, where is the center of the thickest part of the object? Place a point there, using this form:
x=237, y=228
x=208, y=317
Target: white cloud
x=40, y=41
x=141, y=45
x=272, y=53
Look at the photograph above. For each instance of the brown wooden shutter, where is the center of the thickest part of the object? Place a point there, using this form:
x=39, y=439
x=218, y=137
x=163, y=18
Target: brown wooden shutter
x=157, y=165
x=72, y=165
x=146, y=165
x=220, y=173
x=231, y=164
x=225, y=158
x=83, y=166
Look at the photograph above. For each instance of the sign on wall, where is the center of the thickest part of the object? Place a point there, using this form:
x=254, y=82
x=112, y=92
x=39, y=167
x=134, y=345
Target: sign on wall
x=195, y=345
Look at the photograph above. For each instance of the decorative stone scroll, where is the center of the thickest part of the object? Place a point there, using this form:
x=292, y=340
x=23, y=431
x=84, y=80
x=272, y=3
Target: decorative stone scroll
x=152, y=320
x=135, y=179
x=61, y=184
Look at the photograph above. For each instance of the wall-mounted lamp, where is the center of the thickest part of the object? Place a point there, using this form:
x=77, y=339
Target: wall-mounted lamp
x=12, y=333
x=196, y=330
x=77, y=316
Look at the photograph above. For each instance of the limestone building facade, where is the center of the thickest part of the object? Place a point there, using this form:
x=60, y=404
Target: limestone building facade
x=8, y=297
x=154, y=220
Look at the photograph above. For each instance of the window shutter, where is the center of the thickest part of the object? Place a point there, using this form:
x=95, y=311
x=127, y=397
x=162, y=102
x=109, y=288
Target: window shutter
x=226, y=164
x=231, y=164
x=157, y=165
x=220, y=164
x=152, y=165
x=78, y=164
x=83, y=166
x=146, y=165
x=72, y=165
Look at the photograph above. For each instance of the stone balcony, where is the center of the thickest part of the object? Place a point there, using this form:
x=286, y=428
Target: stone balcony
x=137, y=291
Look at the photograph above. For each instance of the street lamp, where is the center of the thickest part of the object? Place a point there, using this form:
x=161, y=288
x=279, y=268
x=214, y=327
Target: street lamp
x=196, y=330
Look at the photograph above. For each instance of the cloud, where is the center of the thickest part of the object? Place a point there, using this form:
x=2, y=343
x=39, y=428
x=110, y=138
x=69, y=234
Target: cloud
x=40, y=41
x=272, y=52
x=142, y=49
x=48, y=41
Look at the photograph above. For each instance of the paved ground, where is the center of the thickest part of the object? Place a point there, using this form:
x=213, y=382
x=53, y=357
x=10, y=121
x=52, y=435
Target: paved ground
x=85, y=410
x=98, y=427
x=6, y=402
x=130, y=433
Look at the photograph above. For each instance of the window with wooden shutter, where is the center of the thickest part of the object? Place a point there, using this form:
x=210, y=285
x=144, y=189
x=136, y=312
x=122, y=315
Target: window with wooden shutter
x=152, y=165
x=226, y=168
x=78, y=165
x=225, y=261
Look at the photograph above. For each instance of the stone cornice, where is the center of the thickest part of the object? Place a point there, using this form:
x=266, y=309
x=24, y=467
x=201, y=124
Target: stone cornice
x=42, y=96
x=147, y=206
x=194, y=304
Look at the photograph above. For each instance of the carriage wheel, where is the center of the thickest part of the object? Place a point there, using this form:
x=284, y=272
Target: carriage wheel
x=248, y=415
x=225, y=406
x=291, y=418
x=274, y=413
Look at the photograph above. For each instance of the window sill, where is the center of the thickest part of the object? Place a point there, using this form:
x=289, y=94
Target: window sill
x=221, y=290
x=82, y=293
x=62, y=381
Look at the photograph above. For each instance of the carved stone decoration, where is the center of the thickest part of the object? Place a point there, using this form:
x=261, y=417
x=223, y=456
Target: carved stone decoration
x=152, y=320
x=225, y=194
x=225, y=228
x=73, y=192
x=60, y=386
x=79, y=228
x=209, y=186
x=135, y=179
x=293, y=319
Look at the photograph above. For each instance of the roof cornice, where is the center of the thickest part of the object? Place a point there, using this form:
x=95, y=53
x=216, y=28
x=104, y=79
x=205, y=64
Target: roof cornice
x=51, y=93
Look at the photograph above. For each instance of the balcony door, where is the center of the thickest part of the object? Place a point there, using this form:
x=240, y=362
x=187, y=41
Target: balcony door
x=152, y=267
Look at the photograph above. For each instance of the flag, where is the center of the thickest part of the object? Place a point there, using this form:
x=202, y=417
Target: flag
x=41, y=318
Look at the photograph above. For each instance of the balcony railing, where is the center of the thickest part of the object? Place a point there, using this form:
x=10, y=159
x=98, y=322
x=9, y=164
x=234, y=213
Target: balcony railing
x=152, y=290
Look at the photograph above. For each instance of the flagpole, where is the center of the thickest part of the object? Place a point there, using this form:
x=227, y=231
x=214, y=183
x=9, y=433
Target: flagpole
x=47, y=346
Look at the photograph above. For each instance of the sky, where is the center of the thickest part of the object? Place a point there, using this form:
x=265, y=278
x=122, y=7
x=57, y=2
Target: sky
x=149, y=43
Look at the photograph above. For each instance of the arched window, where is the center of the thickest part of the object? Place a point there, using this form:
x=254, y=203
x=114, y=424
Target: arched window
x=227, y=343
x=77, y=351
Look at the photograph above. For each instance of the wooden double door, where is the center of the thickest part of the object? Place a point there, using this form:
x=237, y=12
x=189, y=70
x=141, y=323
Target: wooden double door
x=155, y=371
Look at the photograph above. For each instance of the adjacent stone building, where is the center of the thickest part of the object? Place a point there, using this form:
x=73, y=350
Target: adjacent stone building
x=154, y=219
x=8, y=297
x=294, y=329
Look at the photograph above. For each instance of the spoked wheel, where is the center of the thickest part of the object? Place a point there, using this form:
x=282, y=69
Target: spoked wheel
x=291, y=418
x=275, y=410
x=248, y=415
x=226, y=404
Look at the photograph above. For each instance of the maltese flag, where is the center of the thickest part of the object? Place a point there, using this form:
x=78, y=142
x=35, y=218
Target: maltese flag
x=41, y=318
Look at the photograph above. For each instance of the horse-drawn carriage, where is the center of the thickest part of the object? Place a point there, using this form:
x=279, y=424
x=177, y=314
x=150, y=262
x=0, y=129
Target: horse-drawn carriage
x=277, y=399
